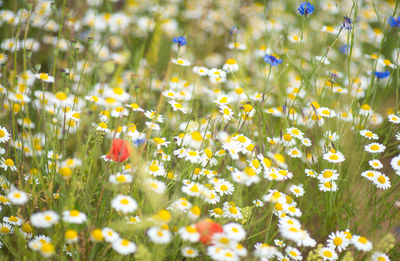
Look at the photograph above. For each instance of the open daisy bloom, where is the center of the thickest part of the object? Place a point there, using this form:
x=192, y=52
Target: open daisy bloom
x=120, y=150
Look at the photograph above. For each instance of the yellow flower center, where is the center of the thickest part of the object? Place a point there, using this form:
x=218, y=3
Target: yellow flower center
x=164, y=215
x=247, y=108
x=191, y=229
x=365, y=107
x=119, y=109
x=233, y=210
x=44, y=76
x=103, y=125
x=278, y=207
x=381, y=179
x=194, y=188
x=124, y=201
x=249, y=171
x=110, y=100
x=13, y=219
x=218, y=211
x=362, y=240
x=224, y=240
x=118, y=91
x=287, y=137
x=329, y=28
x=47, y=248
x=196, y=210
x=125, y=242
x=61, y=96
x=70, y=234
x=327, y=254
x=223, y=100
x=327, y=174
x=224, y=187
x=74, y=213
x=5, y=230
x=154, y=168
x=121, y=178
x=65, y=171
x=337, y=241
x=9, y=162
x=256, y=163
x=97, y=234
x=192, y=153
x=197, y=136
x=333, y=157
x=27, y=228
x=375, y=147
x=230, y=61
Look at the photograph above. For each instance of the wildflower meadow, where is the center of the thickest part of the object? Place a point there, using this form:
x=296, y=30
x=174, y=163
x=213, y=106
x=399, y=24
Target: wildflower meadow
x=218, y=130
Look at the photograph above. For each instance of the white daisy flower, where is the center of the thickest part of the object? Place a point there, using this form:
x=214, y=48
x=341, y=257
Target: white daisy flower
x=234, y=231
x=369, y=134
x=328, y=254
x=159, y=236
x=338, y=240
x=361, y=243
x=74, y=216
x=180, y=62
x=382, y=182
x=17, y=197
x=123, y=246
x=378, y=256
x=375, y=164
x=375, y=147
x=110, y=235
x=4, y=135
x=124, y=203
x=44, y=219
x=189, y=233
x=394, y=118
x=189, y=252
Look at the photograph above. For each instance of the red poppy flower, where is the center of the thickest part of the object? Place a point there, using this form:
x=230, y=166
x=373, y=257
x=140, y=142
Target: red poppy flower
x=120, y=150
x=207, y=228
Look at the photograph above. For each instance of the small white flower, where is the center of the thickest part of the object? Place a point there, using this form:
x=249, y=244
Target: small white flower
x=124, y=246
x=361, y=243
x=74, y=216
x=159, y=236
x=124, y=203
x=17, y=197
x=44, y=219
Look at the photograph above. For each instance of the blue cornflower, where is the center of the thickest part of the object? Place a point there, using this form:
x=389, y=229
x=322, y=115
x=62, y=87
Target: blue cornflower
x=305, y=8
x=139, y=142
x=343, y=49
x=272, y=60
x=234, y=30
x=347, y=23
x=180, y=40
x=394, y=22
x=382, y=75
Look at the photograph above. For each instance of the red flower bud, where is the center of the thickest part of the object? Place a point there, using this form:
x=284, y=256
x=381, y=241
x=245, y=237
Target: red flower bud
x=120, y=150
x=207, y=228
